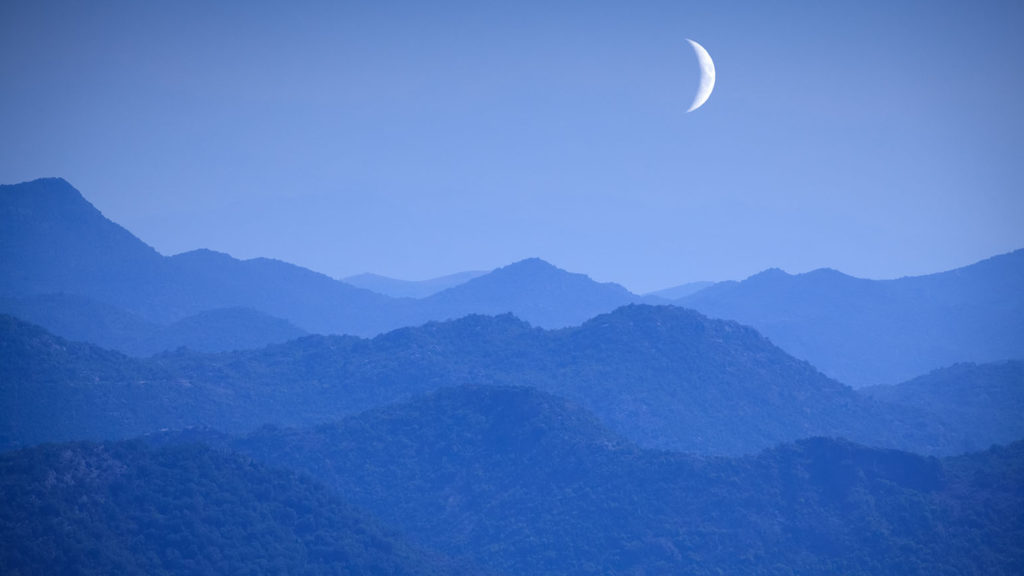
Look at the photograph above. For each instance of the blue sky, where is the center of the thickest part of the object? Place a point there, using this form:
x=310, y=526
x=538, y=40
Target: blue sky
x=415, y=139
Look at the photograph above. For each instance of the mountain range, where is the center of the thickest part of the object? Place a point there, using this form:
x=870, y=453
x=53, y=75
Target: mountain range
x=69, y=269
x=83, y=319
x=49, y=231
x=509, y=479
x=664, y=377
x=522, y=421
x=527, y=483
x=864, y=332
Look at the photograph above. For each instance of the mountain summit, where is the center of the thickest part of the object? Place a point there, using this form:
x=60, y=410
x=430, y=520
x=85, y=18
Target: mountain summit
x=536, y=291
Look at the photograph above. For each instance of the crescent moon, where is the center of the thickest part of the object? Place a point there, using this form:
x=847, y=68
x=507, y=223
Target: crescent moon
x=707, y=76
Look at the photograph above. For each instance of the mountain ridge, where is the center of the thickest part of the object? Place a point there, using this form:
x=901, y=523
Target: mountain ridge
x=664, y=377
x=164, y=289
x=864, y=332
x=521, y=481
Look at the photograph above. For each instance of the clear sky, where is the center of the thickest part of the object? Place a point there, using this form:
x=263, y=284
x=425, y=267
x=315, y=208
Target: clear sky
x=415, y=139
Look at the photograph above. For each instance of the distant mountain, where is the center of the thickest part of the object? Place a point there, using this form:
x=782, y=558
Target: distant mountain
x=859, y=331
x=52, y=241
x=985, y=402
x=410, y=288
x=86, y=320
x=681, y=291
x=221, y=330
x=864, y=332
x=527, y=483
x=129, y=509
x=662, y=376
x=82, y=319
x=533, y=290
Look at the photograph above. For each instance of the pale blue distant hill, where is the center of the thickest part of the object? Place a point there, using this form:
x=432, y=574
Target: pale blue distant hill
x=52, y=241
x=861, y=332
x=681, y=291
x=535, y=291
x=410, y=288
x=85, y=320
x=865, y=332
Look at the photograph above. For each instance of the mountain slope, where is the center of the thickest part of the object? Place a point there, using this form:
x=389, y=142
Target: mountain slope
x=983, y=401
x=53, y=241
x=527, y=483
x=83, y=319
x=864, y=332
x=127, y=509
x=534, y=291
x=681, y=291
x=410, y=288
x=662, y=376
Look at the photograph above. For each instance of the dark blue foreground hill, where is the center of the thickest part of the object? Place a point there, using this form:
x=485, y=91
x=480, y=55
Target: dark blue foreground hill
x=662, y=376
x=128, y=509
x=528, y=483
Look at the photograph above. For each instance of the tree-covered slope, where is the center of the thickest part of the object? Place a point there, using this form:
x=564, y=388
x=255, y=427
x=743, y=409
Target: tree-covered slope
x=527, y=483
x=983, y=402
x=126, y=508
x=662, y=376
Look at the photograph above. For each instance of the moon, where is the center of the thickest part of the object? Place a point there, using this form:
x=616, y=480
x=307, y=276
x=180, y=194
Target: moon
x=707, y=76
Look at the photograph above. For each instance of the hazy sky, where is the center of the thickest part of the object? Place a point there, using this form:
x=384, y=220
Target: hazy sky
x=415, y=139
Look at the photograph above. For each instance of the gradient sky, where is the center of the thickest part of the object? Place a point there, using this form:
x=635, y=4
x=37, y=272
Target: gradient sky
x=415, y=139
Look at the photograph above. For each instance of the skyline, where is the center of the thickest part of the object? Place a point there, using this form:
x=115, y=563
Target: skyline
x=415, y=142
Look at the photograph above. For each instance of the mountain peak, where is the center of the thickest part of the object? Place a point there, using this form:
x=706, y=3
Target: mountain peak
x=534, y=261
x=44, y=194
x=534, y=270
x=536, y=291
x=530, y=266
x=53, y=240
x=769, y=274
x=203, y=254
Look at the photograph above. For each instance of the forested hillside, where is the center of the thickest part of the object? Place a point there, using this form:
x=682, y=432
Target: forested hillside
x=662, y=376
